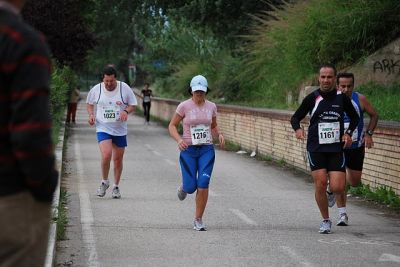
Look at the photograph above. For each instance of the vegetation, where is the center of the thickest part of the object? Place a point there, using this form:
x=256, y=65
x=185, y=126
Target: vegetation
x=382, y=195
x=62, y=218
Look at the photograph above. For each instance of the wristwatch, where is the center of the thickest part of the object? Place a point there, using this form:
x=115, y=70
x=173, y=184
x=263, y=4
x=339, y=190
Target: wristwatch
x=370, y=132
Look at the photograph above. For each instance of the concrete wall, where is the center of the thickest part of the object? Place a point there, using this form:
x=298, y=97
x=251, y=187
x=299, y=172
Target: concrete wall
x=382, y=67
x=268, y=132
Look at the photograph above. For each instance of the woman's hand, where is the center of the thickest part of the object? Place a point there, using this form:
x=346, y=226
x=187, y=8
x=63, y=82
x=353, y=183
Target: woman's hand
x=182, y=145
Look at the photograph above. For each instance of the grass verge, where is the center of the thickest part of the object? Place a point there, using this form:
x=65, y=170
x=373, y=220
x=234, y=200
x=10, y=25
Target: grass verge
x=61, y=217
x=381, y=195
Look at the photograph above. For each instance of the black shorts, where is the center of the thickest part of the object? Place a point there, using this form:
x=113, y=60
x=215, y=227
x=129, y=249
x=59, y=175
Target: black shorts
x=331, y=161
x=355, y=158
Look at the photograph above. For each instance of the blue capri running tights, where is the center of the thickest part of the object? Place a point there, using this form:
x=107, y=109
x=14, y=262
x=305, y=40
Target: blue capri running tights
x=197, y=163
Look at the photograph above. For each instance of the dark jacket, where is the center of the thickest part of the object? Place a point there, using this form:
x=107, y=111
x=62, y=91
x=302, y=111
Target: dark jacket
x=26, y=149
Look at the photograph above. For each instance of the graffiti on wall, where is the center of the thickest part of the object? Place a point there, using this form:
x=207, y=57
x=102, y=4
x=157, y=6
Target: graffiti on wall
x=388, y=66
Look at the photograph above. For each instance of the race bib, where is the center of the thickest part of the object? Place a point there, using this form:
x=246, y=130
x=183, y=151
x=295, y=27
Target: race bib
x=354, y=137
x=329, y=132
x=110, y=113
x=200, y=134
x=146, y=98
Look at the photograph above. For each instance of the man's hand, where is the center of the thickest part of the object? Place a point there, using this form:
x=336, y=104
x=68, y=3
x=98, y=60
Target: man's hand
x=368, y=141
x=92, y=119
x=346, y=138
x=300, y=134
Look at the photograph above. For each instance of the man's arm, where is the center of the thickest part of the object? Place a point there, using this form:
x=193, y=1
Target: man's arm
x=90, y=111
x=300, y=113
x=373, y=120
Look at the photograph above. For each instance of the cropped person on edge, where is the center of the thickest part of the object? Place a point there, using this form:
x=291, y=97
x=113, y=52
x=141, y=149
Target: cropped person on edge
x=114, y=100
x=28, y=177
x=147, y=94
x=326, y=138
x=197, y=156
x=354, y=154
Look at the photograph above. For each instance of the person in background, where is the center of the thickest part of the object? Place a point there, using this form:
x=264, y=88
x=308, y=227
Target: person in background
x=326, y=138
x=197, y=156
x=147, y=94
x=73, y=105
x=114, y=101
x=354, y=154
x=28, y=177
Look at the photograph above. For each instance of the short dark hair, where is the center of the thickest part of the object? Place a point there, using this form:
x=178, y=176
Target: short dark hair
x=344, y=75
x=328, y=65
x=109, y=70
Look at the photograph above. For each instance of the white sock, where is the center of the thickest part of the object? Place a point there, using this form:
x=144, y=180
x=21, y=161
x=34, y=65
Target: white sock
x=342, y=210
x=106, y=182
x=115, y=185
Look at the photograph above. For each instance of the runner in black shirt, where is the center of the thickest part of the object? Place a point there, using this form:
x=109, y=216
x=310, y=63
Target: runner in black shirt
x=326, y=138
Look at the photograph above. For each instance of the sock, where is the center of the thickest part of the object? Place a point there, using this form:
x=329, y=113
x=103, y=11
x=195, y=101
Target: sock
x=342, y=210
x=105, y=182
x=115, y=185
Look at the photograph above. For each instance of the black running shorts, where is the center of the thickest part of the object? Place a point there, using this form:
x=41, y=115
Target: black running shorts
x=331, y=161
x=355, y=158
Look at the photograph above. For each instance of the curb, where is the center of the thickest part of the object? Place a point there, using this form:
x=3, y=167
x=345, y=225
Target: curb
x=51, y=246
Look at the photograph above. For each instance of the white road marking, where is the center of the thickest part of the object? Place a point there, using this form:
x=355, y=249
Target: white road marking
x=243, y=216
x=156, y=153
x=170, y=162
x=296, y=257
x=389, y=257
x=86, y=211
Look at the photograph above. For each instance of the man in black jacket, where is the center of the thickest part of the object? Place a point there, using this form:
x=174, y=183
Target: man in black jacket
x=27, y=172
x=326, y=138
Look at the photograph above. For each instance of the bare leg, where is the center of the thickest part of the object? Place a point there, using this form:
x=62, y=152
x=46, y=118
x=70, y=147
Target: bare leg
x=106, y=153
x=201, y=201
x=118, y=156
x=320, y=183
x=354, y=179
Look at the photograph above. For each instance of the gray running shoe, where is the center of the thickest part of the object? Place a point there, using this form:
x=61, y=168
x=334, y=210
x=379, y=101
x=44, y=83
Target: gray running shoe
x=331, y=199
x=115, y=192
x=198, y=225
x=325, y=227
x=343, y=220
x=102, y=189
x=181, y=194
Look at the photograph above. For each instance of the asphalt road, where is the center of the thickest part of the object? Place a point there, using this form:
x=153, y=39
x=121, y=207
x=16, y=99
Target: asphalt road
x=257, y=214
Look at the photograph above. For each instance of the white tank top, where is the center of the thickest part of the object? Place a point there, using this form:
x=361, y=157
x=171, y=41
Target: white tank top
x=109, y=107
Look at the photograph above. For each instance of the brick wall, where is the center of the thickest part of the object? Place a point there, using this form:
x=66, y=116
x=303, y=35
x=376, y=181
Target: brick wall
x=268, y=132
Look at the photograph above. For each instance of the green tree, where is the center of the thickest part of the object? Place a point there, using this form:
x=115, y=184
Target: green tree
x=63, y=24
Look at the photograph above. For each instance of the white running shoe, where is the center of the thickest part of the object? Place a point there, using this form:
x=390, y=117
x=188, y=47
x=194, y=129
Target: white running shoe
x=115, y=192
x=325, y=227
x=343, y=220
x=101, y=191
x=331, y=199
x=198, y=225
x=181, y=194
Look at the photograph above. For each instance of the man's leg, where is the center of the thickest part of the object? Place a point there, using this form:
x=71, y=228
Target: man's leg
x=320, y=183
x=118, y=156
x=74, y=107
x=106, y=154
